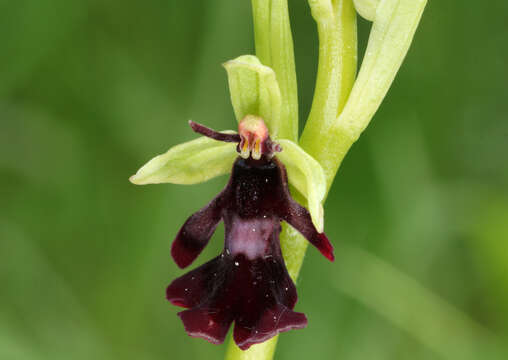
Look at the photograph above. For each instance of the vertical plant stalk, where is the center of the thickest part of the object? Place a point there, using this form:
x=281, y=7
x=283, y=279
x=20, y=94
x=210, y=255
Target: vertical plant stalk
x=337, y=55
x=340, y=111
x=274, y=47
x=336, y=23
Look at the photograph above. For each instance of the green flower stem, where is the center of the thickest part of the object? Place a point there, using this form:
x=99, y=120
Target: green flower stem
x=336, y=72
x=274, y=47
x=340, y=111
x=264, y=351
x=328, y=142
x=336, y=23
x=337, y=57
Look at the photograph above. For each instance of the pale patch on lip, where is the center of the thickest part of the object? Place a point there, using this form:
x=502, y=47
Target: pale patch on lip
x=250, y=237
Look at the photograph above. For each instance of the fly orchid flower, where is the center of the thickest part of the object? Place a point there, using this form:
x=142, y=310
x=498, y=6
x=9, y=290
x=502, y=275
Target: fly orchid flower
x=230, y=288
x=248, y=283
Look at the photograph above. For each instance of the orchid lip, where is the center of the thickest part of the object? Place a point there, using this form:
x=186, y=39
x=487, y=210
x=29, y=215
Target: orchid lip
x=247, y=284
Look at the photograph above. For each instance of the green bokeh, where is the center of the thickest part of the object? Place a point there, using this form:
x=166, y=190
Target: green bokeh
x=91, y=89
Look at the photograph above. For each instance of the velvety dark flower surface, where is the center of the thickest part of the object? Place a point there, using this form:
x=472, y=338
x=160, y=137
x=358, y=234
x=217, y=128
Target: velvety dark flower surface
x=248, y=283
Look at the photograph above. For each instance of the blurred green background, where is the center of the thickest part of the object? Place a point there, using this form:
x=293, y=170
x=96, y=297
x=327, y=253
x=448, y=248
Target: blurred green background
x=92, y=89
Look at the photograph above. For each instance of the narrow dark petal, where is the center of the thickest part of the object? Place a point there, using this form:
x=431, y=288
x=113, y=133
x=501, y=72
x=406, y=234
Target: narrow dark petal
x=203, y=130
x=196, y=232
x=299, y=218
x=271, y=147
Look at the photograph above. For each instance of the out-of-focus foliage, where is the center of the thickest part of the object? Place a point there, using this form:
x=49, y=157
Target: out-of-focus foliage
x=90, y=90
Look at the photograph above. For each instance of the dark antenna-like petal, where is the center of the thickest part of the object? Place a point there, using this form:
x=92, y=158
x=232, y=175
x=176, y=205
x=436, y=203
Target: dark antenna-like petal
x=206, y=131
x=299, y=218
x=196, y=232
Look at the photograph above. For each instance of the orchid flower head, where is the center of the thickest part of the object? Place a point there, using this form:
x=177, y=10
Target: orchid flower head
x=248, y=283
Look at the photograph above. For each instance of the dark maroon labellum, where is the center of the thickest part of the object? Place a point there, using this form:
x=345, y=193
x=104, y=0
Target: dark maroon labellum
x=248, y=283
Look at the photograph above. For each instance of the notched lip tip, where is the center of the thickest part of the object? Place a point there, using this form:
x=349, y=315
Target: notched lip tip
x=211, y=340
x=246, y=345
x=175, y=302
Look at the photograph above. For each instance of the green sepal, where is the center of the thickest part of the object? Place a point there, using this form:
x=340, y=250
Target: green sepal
x=192, y=162
x=307, y=176
x=254, y=91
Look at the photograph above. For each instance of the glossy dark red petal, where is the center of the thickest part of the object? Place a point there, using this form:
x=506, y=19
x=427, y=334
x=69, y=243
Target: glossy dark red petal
x=258, y=295
x=324, y=246
x=299, y=218
x=196, y=232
